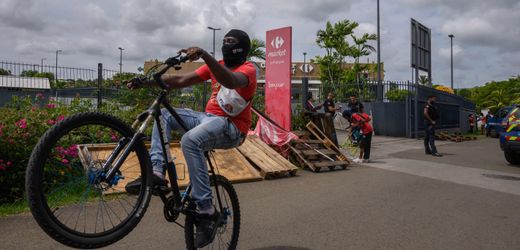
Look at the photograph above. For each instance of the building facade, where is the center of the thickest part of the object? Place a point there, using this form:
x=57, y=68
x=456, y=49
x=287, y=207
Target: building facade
x=299, y=70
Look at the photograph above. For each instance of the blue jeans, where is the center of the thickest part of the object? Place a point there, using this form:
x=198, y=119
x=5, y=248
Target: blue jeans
x=429, y=138
x=206, y=132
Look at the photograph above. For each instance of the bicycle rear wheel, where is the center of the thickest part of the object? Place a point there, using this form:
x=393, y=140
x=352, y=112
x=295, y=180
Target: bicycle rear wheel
x=67, y=192
x=229, y=228
x=351, y=148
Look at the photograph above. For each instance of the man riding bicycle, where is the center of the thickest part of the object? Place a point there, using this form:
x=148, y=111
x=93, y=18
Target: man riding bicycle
x=223, y=125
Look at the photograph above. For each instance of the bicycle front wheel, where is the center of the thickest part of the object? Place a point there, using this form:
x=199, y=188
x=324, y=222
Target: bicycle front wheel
x=229, y=225
x=68, y=193
x=351, y=148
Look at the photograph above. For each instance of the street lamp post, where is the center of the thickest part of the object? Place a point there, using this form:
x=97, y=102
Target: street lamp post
x=56, y=76
x=451, y=57
x=304, y=65
x=380, y=89
x=120, y=61
x=205, y=83
x=305, y=82
x=41, y=64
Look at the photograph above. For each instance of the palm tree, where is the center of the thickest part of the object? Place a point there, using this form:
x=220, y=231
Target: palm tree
x=423, y=80
x=361, y=48
x=333, y=40
x=257, y=49
x=497, y=99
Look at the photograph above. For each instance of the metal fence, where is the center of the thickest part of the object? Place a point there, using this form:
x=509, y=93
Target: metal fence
x=395, y=105
x=95, y=85
x=60, y=76
x=400, y=112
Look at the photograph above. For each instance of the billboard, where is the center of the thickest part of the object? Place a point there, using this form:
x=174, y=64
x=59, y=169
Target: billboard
x=278, y=76
x=420, y=48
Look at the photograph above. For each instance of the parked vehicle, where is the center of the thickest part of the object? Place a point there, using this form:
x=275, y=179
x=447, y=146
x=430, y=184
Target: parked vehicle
x=510, y=138
x=497, y=124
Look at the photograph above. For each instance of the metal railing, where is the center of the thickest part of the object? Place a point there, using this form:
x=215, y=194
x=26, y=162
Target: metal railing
x=60, y=76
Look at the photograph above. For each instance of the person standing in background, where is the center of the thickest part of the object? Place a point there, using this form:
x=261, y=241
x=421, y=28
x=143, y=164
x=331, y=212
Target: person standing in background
x=430, y=117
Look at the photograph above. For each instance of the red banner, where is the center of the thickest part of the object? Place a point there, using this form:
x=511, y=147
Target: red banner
x=278, y=76
x=274, y=136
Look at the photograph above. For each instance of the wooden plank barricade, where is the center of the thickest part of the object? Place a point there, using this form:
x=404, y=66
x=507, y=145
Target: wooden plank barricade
x=319, y=153
x=269, y=162
x=229, y=163
x=455, y=137
x=326, y=141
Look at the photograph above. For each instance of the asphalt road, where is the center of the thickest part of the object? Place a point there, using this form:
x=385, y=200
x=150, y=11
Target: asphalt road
x=468, y=199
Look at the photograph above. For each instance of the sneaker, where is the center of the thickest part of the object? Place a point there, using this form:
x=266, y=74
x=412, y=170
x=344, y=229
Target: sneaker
x=366, y=160
x=206, y=228
x=437, y=154
x=357, y=160
x=159, y=186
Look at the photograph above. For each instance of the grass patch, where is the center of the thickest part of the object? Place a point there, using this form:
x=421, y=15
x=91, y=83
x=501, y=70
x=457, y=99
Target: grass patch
x=17, y=207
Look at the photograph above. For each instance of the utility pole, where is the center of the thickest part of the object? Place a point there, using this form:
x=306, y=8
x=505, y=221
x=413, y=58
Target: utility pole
x=379, y=87
x=451, y=57
x=56, y=76
x=205, y=83
x=120, y=61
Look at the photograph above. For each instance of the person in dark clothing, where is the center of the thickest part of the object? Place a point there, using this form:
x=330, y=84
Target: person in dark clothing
x=430, y=117
x=471, y=120
x=354, y=105
x=329, y=106
x=330, y=109
x=309, y=106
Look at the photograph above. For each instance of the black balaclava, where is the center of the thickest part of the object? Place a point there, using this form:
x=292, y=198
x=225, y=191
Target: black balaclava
x=236, y=54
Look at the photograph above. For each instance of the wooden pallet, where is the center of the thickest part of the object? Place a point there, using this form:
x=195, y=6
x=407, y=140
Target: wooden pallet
x=230, y=163
x=455, y=137
x=269, y=162
x=313, y=155
x=326, y=141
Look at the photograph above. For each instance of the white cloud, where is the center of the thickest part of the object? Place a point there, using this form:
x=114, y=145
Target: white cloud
x=22, y=14
x=485, y=45
x=446, y=52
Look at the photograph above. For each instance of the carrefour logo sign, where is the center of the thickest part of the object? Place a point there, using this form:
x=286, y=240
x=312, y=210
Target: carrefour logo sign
x=277, y=42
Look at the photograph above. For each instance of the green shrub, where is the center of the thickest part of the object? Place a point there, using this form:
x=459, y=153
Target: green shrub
x=397, y=94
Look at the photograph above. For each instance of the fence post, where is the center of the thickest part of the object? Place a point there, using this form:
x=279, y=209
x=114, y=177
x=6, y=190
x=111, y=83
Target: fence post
x=100, y=85
x=416, y=109
x=305, y=91
x=407, y=111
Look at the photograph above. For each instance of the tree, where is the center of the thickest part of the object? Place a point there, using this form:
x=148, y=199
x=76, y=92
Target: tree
x=29, y=73
x=340, y=43
x=423, y=80
x=257, y=49
x=4, y=72
x=494, y=95
x=360, y=49
x=47, y=75
x=332, y=65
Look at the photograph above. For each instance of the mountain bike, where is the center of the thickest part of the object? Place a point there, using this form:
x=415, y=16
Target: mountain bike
x=339, y=121
x=351, y=144
x=76, y=174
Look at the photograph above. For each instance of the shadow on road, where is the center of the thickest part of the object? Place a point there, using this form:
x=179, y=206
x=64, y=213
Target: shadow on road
x=282, y=248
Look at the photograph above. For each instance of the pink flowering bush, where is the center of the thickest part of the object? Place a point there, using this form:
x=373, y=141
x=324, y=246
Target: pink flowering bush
x=24, y=121
x=22, y=124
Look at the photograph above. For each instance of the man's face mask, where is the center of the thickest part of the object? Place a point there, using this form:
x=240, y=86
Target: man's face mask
x=235, y=48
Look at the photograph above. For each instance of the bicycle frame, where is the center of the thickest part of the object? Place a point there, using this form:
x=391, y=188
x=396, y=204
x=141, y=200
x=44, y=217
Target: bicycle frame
x=141, y=123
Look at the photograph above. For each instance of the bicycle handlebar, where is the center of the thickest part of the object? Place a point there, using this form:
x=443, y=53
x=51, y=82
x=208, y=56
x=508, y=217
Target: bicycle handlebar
x=173, y=61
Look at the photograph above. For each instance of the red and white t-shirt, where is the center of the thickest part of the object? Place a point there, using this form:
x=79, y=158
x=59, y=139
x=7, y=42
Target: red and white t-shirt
x=365, y=126
x=242, y=120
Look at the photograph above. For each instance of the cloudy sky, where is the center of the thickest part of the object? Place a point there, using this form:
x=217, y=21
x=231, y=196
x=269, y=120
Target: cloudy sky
x=486, y=44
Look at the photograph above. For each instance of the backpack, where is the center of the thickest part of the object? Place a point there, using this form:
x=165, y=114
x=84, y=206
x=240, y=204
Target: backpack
x=356, y=136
